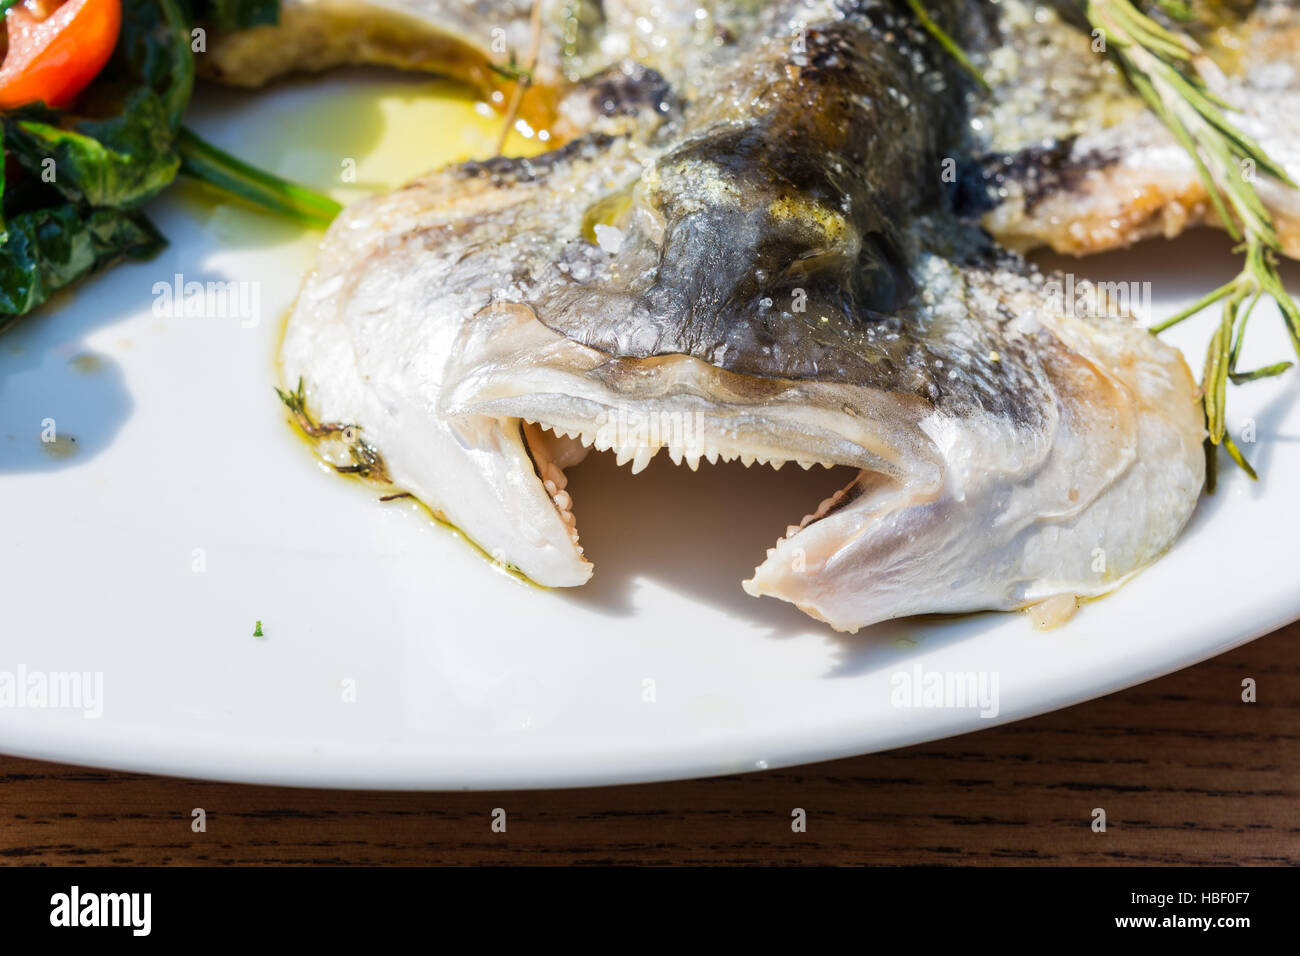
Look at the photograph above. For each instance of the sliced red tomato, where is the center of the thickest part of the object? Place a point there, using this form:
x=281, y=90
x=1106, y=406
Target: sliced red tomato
x=55, y=51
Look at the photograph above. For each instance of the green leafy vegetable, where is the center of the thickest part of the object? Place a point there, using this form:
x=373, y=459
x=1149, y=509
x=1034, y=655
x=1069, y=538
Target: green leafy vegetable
x=73, y=183
x=120, y=161
x=46, y=249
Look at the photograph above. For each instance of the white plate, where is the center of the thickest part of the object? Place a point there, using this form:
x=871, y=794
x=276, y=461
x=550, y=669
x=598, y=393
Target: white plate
x=464, y=677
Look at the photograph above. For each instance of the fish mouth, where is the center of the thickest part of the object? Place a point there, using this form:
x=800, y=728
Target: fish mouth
x=554, y=447
x=566, y=400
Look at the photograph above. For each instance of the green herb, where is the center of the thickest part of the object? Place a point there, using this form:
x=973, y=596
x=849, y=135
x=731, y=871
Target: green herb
x=510, y=70
x=947, y=42
x=1178, y=9
x=203, y=161
x=1161, y=66
x=366, y=461
x=257, y=630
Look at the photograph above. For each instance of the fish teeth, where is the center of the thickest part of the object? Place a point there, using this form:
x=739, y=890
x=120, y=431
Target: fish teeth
x=642, y=459
x=640, y=456
x=552, y=474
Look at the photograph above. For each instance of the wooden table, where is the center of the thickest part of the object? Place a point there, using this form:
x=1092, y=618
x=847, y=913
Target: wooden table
x=1186, y=772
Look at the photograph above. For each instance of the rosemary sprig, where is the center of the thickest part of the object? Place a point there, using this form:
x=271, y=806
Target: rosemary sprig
x=941, y=37
x=366, y=461
x=1162, y=67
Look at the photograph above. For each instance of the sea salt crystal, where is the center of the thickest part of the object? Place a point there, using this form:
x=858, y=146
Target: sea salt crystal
x=609, y=238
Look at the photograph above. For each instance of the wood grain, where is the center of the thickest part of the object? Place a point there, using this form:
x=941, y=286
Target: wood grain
x=1186, y=772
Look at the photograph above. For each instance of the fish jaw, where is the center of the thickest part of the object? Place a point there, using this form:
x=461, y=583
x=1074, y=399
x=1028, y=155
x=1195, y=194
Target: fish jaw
x=509, y=366
x=363, y=359
x=1074, y=507
x=477, y=473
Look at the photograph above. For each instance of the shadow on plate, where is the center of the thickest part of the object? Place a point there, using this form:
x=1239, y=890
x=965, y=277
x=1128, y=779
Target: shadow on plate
x=700, y=533
x=61, y=402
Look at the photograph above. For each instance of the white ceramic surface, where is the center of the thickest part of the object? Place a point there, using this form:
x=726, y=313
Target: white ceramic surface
x=464, y=677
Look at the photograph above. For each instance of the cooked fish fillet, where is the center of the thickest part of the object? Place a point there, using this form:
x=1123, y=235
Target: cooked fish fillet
x=1079, y=162
x=763, y=265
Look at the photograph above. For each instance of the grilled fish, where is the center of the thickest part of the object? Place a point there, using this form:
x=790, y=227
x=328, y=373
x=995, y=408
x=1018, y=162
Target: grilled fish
x=753, y=253
x=1072, y=157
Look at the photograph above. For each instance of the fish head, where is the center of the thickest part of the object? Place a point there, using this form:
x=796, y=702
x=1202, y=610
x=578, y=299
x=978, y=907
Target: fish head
x=768, y=278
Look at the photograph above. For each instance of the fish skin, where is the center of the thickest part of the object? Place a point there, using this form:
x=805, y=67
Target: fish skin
x=1073, y=159
x=1009, y=450
x=1077, y=161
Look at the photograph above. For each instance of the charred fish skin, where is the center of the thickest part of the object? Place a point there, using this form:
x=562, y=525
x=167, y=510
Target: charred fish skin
x=1077, y=162
x=759, y=239
x=775, y=264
